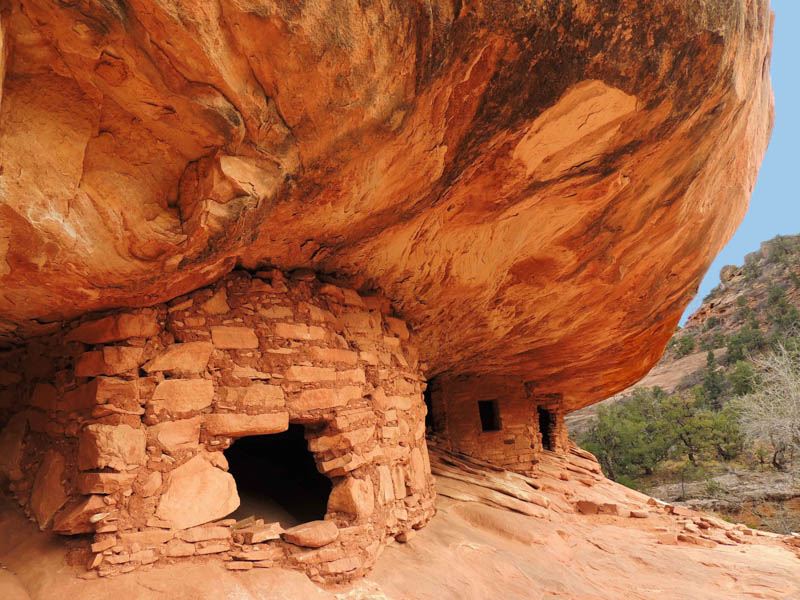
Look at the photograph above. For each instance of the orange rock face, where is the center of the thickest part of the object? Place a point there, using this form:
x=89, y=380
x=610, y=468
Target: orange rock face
x=538, y=187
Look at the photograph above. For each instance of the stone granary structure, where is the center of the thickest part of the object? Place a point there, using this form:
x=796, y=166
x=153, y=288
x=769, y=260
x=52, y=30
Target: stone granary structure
x=249, y=237
x=131, y=418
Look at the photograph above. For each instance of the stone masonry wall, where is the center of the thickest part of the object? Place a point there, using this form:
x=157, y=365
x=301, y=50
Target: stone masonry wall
x=517, y=445
x=116, y=426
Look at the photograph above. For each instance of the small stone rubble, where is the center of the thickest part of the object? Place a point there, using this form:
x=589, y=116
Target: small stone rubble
x=550, y=490
x=116, y=425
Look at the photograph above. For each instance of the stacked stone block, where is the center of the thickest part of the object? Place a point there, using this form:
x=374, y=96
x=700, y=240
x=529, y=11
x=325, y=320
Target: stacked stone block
x=116, y=426
x=517, y=444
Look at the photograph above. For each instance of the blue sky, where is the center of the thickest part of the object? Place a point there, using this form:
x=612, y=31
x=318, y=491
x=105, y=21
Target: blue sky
x=775, y=205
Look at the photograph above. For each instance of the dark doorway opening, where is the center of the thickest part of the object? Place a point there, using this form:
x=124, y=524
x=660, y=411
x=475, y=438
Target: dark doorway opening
x=277, y=478
x=490, y=415
x=426, y=395
x=546, y=427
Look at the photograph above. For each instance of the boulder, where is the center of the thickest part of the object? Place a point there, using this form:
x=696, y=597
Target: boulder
x=197, y=493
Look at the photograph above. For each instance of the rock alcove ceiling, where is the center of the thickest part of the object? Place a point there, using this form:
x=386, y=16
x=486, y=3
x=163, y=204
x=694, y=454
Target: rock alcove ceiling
x=537, y=187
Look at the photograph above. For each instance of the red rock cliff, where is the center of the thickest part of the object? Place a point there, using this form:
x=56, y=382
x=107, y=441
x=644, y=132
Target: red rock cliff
x=537, y=186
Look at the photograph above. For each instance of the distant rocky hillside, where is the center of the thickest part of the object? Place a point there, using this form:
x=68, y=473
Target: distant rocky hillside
x=693, y=399
x=752, y=305
x=764, y=291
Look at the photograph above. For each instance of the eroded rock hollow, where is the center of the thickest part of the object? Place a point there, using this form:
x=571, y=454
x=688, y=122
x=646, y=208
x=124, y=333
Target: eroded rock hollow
x=533, y=190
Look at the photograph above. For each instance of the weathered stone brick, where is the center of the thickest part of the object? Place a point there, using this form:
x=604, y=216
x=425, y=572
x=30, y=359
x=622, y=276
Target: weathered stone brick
x=104, y=483
x=90, y=364
x=296, y=331
x=119, y=359
x=202, y=534
x=149, y=537
x=386, y=485
x=217, y=304
x=260, y=396
x=112, y=446
x=182, y=397
x=341, y=441
x=276, y=312
x=176, y=436
x=310, y=374
x=115, y=390
x=334, y=355
x=76, y=518
x=353, y=496
x=182, y=359
x=362, y=321
x=352, y=298
x=238, y=425
x=176, y=548
x=45, y=396
x=316, y=399
x=343, y=565
x=416, y=471
x=116, y=328
x=399, y=481
x=324, y=398
x=352, y=376
x=314, y=534
x=151, y=484
x=233, y=337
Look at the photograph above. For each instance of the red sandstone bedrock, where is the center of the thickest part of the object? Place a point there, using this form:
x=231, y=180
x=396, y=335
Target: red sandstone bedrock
x=538, y=189
x=494, y=537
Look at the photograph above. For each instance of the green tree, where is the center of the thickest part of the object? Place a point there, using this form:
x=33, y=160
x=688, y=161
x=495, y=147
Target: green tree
x=693, y=427
x=726, y=434
x=713, y=380
x=631, y=438
x=742, y=378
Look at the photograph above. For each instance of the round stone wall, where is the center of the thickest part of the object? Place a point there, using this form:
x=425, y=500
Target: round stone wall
x=117, y=425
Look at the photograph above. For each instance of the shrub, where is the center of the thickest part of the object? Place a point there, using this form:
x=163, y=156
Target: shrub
x=745, y=342
x=751, y=268
x=684, y=346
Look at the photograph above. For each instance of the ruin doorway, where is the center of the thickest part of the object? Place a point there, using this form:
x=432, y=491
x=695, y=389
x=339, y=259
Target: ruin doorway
x=546, y=423
x=277, y=478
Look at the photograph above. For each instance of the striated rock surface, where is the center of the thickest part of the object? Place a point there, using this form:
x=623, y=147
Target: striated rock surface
x=538, y=187
x=566, y=533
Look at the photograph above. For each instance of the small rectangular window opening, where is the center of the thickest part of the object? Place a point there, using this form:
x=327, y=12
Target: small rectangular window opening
x=490, y=415
x=546, y=427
